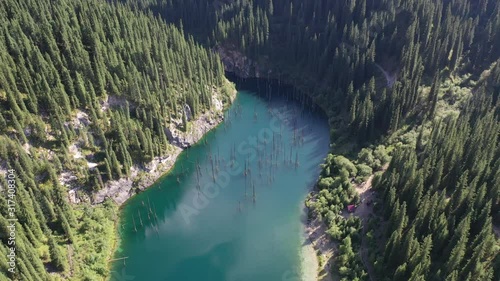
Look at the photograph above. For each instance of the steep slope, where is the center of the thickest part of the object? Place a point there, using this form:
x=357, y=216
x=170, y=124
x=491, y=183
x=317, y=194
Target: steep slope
x=87, y=91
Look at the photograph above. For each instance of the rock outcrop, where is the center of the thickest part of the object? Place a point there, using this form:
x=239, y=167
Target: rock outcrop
x=236, y=62
x=196, y=129
x=142, y=177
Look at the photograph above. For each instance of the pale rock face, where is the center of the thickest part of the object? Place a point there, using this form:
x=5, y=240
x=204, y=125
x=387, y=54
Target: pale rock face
x=81, y=120
x=27, y=148
x=122, y=189
x=217, y=103
x=198, y=127
x=175, y=137
x=69, y=179
x=236, y=62
x=74, y=149
x=112, y=101
x=72, y=197
x=187, y=111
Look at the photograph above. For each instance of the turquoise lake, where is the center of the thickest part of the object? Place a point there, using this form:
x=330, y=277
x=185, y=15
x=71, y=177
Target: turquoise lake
x=244, y=225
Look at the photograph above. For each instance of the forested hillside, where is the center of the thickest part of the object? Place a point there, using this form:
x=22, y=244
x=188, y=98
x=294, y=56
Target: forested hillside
x=86, y=90
x=439, y=198
x=338, y=49
x=416, y=80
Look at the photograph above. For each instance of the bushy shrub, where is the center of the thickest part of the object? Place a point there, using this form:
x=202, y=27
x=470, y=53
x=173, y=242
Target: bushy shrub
x=366, y=156
x=364, y=171
x=380, y=154
x=325, y=183
x=341, y=162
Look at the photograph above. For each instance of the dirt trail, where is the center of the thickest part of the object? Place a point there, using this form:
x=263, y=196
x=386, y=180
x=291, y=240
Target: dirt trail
x=364, y=211
x=315, y=231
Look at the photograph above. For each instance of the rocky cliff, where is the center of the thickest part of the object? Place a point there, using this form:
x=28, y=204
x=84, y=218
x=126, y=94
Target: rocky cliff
x=236, y=62
x=142, y=177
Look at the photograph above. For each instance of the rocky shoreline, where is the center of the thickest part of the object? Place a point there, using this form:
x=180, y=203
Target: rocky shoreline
x=139, y=179
x=142, y=177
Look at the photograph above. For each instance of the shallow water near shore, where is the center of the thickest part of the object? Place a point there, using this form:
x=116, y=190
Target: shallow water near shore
x=230, y=208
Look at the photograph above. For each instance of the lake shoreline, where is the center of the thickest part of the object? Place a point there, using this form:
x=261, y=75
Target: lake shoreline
x=312, y=266
x=317, y=246
x=309, y=257
x=161, y=170
x=141, y=178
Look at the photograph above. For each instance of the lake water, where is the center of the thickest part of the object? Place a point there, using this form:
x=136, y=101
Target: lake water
x=244, y=225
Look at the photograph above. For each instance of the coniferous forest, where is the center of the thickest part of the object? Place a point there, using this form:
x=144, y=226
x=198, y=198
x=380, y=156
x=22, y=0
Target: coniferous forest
x=101, y=76
x=411, y=89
